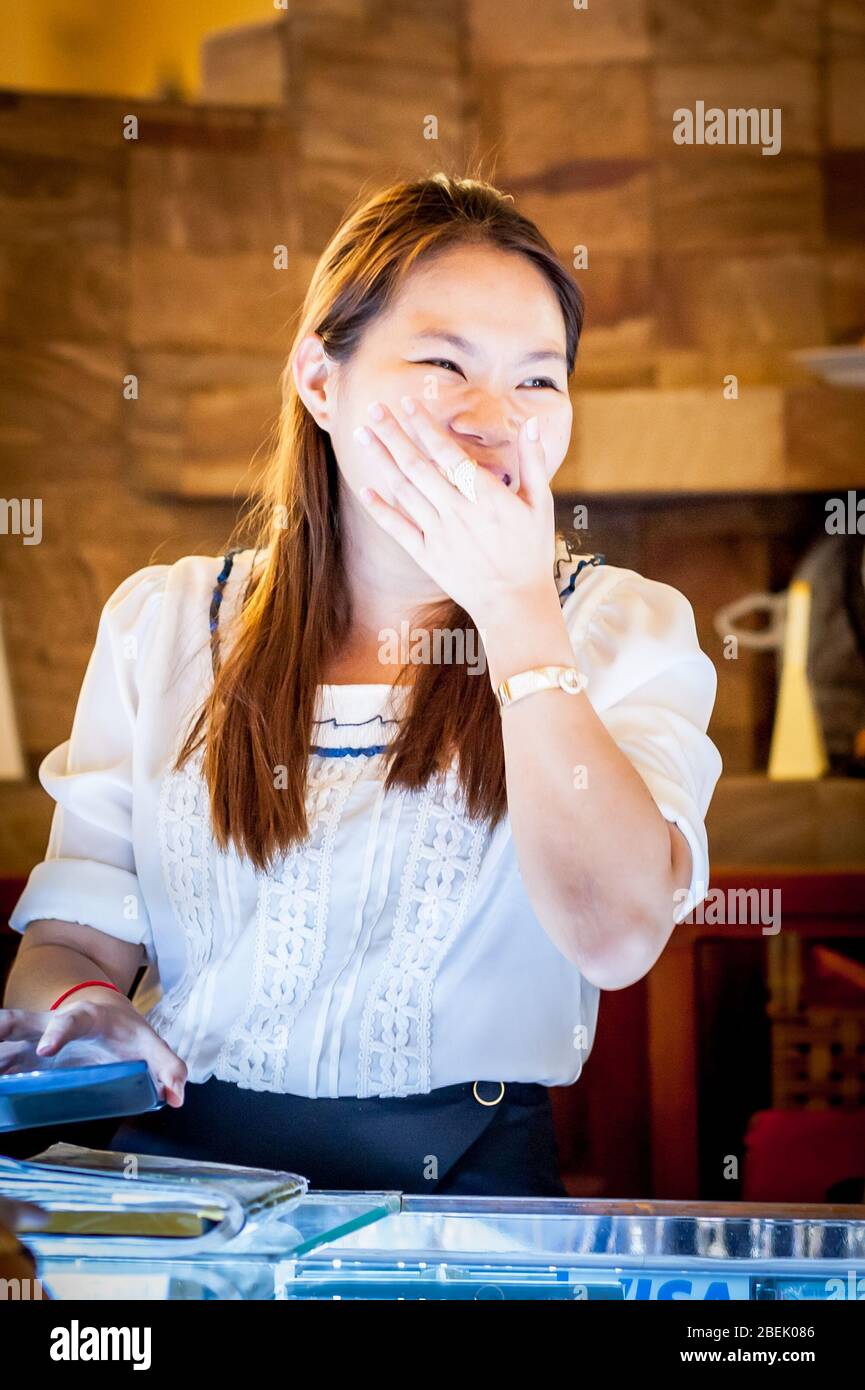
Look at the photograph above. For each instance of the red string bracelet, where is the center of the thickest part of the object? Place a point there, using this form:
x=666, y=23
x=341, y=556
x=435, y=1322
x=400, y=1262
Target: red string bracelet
x=84, y=985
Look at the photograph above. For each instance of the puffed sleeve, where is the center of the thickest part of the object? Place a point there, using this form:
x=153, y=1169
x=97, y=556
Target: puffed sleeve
x=88, y=873
x=654, y=688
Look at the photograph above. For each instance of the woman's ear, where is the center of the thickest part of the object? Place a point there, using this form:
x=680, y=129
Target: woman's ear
x=314, y=377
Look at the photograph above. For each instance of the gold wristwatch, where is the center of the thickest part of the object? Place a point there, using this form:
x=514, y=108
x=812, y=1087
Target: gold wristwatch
x=566, y=678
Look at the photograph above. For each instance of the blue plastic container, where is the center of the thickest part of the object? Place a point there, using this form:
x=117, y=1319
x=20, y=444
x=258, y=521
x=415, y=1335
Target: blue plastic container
x=65, y=1094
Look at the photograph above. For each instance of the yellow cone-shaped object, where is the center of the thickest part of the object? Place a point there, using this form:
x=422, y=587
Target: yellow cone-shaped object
x=798, y=751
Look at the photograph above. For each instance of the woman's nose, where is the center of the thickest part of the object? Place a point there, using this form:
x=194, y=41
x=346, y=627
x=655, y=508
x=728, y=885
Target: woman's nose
x=489, y=425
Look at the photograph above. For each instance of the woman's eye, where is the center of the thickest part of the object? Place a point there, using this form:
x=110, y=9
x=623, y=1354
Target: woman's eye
x=544, y=382
x=438, y=362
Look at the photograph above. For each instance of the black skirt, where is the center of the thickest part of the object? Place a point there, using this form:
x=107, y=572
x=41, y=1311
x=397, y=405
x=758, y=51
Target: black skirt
x=473, y=1139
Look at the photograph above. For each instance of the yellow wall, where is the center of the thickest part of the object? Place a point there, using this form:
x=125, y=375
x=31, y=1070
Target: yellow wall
x=114, y=47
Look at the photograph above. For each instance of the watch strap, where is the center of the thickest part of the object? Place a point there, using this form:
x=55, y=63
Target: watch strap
x=566, y=678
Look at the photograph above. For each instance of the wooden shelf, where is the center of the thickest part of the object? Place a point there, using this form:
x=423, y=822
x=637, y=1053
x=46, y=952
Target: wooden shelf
x=808, y=826
x=775, y=438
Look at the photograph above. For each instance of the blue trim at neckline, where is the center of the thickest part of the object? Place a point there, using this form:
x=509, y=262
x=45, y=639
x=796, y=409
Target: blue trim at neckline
x=371, y=752
x=589, y=560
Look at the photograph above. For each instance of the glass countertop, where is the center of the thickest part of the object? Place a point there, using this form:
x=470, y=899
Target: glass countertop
x=338, y=1245
x=631, y=1232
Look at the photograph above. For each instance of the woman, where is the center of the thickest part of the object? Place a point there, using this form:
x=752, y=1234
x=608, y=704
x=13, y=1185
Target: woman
x=387, y=796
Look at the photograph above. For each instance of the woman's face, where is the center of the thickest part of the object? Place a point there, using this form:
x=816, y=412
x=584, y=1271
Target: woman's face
x=478, y=335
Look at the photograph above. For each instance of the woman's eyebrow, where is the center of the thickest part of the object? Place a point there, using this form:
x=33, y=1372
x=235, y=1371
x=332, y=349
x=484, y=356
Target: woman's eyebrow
x=465, y=346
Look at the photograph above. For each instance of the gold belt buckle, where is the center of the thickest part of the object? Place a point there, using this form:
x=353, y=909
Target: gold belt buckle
x=488, y=1102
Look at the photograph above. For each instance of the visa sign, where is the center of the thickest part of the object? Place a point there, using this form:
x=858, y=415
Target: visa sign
x=652, y=1286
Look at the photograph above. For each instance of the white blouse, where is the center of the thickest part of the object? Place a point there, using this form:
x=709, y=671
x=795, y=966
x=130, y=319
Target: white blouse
x=396, y=951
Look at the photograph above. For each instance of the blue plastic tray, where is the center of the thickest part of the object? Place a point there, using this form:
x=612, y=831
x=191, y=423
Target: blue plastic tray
x=67, y=1094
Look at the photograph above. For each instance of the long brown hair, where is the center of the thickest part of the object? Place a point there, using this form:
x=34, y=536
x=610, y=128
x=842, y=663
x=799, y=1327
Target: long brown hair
x=258, y=716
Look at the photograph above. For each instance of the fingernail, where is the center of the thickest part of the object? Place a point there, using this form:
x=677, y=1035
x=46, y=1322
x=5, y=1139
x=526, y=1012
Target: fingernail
x=408, y=405
x=376, y=410
x=363, y=435
x=532, y=427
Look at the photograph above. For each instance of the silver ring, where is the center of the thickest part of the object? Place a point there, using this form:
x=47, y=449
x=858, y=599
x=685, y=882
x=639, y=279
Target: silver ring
x=462, y=475
x=488, y=1102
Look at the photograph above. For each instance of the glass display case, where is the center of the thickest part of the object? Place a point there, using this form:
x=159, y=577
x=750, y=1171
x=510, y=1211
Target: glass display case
x=336, y=1245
